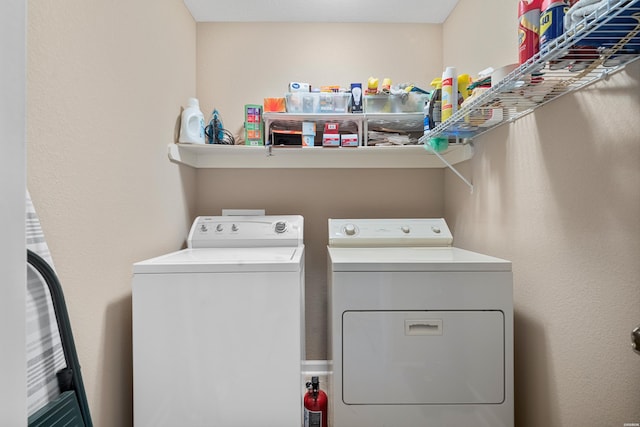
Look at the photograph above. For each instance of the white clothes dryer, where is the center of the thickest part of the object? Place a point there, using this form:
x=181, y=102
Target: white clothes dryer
x=218, y=328
x=421, y=333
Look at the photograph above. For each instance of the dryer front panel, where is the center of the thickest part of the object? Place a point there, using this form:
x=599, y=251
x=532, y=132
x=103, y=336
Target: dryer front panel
x=433, y=357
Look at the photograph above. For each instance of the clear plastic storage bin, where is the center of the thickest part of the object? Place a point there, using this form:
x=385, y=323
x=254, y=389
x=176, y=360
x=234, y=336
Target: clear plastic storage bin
x=412, y=102
x=317, y=102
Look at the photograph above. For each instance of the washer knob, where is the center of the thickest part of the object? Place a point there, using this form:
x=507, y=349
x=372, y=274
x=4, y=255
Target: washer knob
x=435, y=229
x=349, y=229
x=405, y=229
x=281, y=227
x=234, y=227
x=219, y=228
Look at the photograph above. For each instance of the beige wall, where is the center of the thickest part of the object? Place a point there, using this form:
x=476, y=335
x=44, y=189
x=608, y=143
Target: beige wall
x=244, y=63
x=557, y=193
x=481, y=34
x=105, y=84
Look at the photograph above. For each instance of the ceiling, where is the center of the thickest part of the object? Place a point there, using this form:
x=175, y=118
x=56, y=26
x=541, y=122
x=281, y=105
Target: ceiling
x=398, y=11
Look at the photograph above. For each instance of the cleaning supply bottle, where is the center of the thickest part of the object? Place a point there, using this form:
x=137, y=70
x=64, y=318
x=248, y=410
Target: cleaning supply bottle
x=425, y=111
x=464, y=80
x=528, y=29
x=552, y=20
x=449, y=93
x=192, y=123
x=435, y=103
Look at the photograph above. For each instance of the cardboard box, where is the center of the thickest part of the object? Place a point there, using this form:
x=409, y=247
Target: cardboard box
x=331, y=140
x=274, y=105
x=286, y=138
x=331, y=127
x=309, y=128
x=253, y=125
x=349, y=140
x=299, y=87
x=308, y=140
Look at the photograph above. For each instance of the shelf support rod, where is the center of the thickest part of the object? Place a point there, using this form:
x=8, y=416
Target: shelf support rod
x=450, y=166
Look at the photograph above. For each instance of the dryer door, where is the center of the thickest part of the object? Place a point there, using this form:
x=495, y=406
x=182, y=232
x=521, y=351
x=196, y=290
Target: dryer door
x=423, y=357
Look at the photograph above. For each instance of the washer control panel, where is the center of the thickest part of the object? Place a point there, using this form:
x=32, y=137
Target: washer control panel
x=389, y=232
x=246, y=231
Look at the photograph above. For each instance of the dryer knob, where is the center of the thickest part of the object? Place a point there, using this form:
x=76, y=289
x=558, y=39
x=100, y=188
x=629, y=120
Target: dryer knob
x=405, y=229
x=281, y=227
x=435, y=229
x=234, y=227
x=219, y=228
x=349, y=229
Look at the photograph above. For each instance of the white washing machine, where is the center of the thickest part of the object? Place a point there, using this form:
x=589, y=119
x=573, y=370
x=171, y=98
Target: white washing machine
x=218, y=328
x=421, y=333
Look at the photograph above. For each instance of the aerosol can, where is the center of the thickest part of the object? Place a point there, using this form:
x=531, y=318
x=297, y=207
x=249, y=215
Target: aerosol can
x=315, y=405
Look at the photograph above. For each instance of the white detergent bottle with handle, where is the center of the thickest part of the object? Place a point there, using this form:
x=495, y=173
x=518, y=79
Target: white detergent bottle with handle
x=192, y=123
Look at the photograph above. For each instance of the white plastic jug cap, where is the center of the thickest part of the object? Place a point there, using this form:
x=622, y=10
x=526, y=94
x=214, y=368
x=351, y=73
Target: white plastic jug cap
x=193, y=102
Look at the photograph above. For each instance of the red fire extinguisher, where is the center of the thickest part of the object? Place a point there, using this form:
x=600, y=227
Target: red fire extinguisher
x=315, y=405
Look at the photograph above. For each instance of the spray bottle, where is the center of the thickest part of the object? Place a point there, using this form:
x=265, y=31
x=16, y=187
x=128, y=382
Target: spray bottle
x=449, y=93
x=435, y=103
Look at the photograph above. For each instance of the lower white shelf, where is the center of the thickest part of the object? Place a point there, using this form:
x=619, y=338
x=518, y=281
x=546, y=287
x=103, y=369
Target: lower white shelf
x=239, y=156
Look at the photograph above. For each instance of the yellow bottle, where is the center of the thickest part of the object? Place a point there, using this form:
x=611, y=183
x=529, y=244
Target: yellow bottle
x=449, y=93
x=464, y=80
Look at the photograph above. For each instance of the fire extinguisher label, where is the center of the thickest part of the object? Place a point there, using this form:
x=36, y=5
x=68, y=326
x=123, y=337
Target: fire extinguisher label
x=312, y=418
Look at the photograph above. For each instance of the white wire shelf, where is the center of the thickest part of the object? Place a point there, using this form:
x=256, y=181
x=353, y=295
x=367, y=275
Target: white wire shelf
x=601, y=43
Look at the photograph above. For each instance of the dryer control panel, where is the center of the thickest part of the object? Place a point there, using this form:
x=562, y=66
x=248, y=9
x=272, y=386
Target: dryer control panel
x=411, y=232
x=246, y=231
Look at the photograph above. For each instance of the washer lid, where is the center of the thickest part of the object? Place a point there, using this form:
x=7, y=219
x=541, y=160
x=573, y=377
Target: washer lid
x=413, y=259
x=211, y=260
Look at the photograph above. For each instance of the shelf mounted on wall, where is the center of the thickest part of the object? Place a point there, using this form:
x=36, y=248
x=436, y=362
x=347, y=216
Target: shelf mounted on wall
x=600, y=43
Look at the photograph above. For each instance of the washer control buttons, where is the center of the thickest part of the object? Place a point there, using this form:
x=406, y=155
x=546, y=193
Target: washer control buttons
x=281, y=227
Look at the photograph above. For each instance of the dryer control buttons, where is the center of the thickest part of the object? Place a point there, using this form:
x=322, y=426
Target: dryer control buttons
x=350, y=229
x=281, y=227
